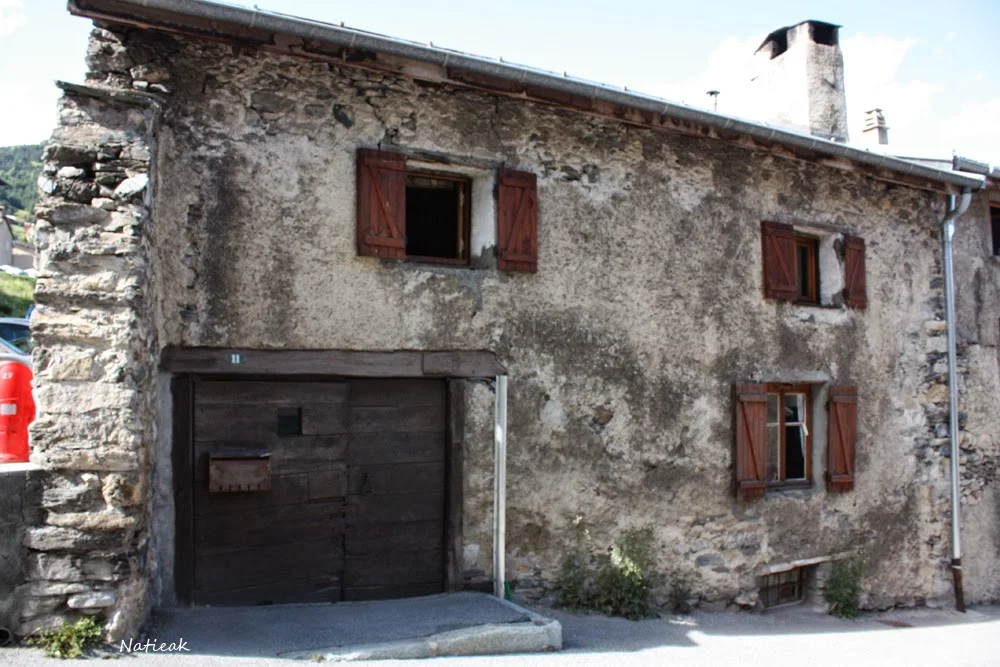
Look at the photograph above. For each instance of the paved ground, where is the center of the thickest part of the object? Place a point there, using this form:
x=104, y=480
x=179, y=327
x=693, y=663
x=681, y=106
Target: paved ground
x=794, y=636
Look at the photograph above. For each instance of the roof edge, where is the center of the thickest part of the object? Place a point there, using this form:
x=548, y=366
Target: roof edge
x=152, y=14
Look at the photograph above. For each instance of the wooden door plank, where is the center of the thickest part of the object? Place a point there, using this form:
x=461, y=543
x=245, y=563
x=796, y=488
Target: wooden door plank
x=226, y=569
x=269, y=525
x=378, y=479
x=389, y=448
x=397, y=419
x=286, y=394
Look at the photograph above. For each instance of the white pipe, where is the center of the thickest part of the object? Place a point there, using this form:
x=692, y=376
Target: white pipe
x=499, y=485
x=948, y=230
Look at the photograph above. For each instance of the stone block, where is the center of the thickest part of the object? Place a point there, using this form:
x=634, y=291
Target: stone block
x=55, y=538
x=92, y=600
x=131, y=186
x=74, y=214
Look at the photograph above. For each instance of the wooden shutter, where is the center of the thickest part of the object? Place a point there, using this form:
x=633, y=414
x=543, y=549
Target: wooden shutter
x=751, y=440
x=517, y=200
x=842, y=437
x=381, y=203
x=779, y=261
x=854, y=272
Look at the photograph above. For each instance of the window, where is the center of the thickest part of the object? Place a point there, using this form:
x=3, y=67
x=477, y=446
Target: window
x=791, y=263
x=774, y=437
x=437, y=218
x=788, y=438
x=425, y=214
x=806, y=269
x=780, y=588
x=995, y=225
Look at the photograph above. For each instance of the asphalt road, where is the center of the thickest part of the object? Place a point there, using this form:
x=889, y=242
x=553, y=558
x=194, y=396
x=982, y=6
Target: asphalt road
x=795, y=636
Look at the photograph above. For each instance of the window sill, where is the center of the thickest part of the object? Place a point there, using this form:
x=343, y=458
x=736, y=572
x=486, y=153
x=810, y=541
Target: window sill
x=435, y=261
x=784, y=486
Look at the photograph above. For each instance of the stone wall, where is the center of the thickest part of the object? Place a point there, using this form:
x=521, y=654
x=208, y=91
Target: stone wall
x=95, y=359
x=977, y=279
x=18, y=511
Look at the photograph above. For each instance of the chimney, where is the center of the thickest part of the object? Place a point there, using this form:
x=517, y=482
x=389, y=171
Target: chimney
x=875, y=132
x=800, y=80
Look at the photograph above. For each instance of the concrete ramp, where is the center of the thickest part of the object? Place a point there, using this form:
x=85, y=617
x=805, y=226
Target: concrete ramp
x=449, y=624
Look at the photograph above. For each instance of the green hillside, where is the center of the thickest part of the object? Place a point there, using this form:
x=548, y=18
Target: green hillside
x=19, y=167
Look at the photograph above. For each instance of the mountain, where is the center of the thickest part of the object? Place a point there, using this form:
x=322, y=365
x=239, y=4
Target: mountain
x=19, y=168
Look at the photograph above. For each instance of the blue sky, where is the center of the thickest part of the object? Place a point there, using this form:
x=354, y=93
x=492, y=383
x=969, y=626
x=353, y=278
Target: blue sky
x=930, y=66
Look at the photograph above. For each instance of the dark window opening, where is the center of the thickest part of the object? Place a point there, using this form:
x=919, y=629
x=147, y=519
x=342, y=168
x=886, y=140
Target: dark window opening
x=807, y=269
x=824, y=33
x=290, y=421
x=995, y=223
x=782, y=587
x=437, y=218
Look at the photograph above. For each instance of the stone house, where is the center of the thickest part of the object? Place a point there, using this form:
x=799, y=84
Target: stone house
x=274, y=299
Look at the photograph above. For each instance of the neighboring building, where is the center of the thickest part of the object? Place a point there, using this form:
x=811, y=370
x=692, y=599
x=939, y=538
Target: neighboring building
x=6, y=237
x=298, y=249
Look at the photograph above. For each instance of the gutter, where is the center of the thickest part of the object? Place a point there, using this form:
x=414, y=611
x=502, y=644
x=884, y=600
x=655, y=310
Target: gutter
x=151, y=13
x=956, y=207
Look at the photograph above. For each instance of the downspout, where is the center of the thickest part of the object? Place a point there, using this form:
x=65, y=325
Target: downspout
x=955, y=209
x=500, y=486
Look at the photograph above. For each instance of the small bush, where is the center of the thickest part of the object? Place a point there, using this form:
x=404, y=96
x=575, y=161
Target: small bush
x=618, y=583
x=626, y=576
x=843, y=588
x=71, y=640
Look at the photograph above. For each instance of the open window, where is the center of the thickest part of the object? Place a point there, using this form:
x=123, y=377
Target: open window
x=774, y=437
x=792, y=259
x=437, y=218
x=424, y=214
x=789, y=440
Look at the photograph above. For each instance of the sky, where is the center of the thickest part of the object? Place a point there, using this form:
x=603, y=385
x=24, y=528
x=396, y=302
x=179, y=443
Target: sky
x=930, y=66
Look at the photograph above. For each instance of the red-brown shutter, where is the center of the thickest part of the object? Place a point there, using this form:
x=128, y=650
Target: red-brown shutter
x=517, y=201
x=842, y=437
x=854, y=272
x=751, y=440
x=381, y=203
x=779, y=261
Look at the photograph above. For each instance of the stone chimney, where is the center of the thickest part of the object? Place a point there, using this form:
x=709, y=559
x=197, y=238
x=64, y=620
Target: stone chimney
x=875, y=132
x=800, y=80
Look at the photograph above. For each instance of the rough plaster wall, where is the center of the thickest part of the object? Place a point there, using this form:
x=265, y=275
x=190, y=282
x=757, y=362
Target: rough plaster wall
x=622, y=350
x=977, y=299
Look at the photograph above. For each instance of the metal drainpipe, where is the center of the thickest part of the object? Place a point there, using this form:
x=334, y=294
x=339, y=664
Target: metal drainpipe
x=500, y=486
x=948, y=230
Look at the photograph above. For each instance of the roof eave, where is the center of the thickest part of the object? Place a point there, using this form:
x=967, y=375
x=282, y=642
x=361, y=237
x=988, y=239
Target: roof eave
x=209, y=19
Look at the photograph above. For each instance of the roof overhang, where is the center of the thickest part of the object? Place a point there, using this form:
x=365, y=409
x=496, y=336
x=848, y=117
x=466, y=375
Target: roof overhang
x=349, y=47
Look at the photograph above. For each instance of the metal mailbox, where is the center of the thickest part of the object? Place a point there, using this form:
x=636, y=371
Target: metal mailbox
x=236, y=473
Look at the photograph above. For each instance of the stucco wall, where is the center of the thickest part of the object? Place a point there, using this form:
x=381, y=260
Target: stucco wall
x=647, y=303
x=977, y=298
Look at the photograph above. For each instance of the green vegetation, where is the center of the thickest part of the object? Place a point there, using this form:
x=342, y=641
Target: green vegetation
x=16, y=294
x=19, y=168
x=71, y=640
x=618, y=582
x=843, y=588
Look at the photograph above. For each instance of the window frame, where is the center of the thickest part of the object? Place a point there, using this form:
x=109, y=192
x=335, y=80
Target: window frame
x=783, y=388
x=811, y=243
x=995, y=229
x=464, y=217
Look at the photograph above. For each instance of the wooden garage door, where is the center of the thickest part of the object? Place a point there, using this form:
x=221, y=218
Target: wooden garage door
x=356, y=503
